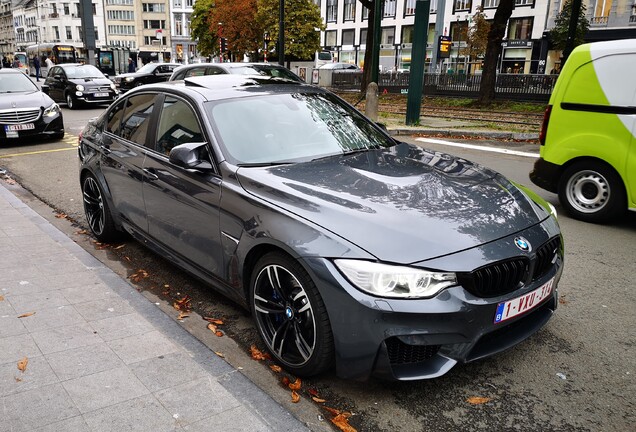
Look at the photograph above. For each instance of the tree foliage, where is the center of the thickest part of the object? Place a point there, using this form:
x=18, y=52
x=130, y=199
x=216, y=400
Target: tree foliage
x=302, y=25
x=477, y=38
x=559, y=34
x=208, y=42
x=238, y=25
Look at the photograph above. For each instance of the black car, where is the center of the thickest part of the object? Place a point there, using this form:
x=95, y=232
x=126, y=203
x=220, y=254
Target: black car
x=350, y=248
x=78, y=84
x=264, y=69
x=25, y=111
x=147, y=74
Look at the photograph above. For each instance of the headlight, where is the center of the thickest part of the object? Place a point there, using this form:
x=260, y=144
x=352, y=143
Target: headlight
x=129, y=79
x=113, y=86
x=79, y=87
x=394, y=281
x=52, y=111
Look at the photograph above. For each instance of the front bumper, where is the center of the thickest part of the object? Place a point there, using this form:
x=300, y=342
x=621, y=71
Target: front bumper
x=43, y=126
x=546, y=175
x=410, y=339
x=92, y=98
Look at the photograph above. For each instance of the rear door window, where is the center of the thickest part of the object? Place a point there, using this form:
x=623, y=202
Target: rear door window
x=136, y=119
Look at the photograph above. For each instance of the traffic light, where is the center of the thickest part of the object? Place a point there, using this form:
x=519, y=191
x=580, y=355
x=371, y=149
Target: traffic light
x=223, y=44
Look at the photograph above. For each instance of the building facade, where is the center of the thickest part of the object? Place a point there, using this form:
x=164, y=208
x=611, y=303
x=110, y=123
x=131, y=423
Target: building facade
x=7, y=34
x=183, y=47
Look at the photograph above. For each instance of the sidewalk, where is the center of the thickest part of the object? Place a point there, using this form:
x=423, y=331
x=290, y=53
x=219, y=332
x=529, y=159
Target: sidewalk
x=82, y=350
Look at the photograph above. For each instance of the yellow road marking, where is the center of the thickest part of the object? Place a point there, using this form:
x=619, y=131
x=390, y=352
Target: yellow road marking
x=37, y=152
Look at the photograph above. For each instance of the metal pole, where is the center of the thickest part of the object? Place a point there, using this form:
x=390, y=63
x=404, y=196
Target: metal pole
x=574, y=21
x=420, y=37
x=439, y=29
x=377, y=32
x=281, y=32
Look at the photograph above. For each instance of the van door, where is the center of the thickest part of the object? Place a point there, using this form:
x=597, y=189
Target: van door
x=630, y=179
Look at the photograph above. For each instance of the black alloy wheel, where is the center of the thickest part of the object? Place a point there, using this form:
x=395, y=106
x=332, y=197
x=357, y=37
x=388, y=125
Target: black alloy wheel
x=97, y=212
x=70, y=102
x=291, y=316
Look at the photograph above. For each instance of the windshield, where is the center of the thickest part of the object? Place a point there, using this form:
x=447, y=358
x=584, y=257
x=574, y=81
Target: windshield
x=16, y=83
x=285, y=128
x=266, y=71
x=83, y=71
x=146, y=69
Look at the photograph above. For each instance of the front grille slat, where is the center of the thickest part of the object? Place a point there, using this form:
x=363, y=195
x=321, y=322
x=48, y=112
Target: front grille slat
x=19, y=115
x=545, y=254
x=401, y=353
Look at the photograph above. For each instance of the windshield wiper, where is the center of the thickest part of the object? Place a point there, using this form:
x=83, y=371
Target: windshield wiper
x=264, y=164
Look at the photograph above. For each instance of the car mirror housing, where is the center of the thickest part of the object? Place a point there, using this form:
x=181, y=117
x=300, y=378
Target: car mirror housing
x=188, y=156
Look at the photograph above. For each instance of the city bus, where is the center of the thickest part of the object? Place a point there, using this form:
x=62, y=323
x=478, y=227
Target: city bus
x=61, y=54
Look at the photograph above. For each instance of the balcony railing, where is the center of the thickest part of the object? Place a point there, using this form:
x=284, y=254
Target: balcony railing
x=598, y=21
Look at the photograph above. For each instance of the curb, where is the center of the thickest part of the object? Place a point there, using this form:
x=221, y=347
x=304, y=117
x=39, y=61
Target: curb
x=517, y=136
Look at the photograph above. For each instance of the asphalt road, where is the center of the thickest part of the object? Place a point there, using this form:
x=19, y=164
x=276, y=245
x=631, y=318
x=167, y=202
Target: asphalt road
x=575, y=374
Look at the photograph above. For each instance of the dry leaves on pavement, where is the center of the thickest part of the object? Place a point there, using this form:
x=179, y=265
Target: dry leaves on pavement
x=258, y=354
x=295, y=397
x=183, y=304
x=61, y=215
x=28, y=314
x=22, y=364
x=214, y=330
x=275, y=368
x=220, y=354
x=341, y=419
x=295, y=385
x=1, y=298
x=477, y=400
x=182, y=315
x=136, y=277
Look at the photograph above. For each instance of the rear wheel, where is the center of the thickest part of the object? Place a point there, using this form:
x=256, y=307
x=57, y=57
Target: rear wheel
x=97, y=212
x=290, y=315
x=70, y=102
x=592, y=192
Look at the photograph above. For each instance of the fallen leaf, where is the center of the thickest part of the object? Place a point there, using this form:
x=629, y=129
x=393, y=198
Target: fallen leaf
x=119, y=247
x=295, y=397
x=313, y=392
x=18, y=379
x=213, y=320
x=182, y=315
x=256, y=353
x=219, y=333
x=275, y=368
x=28, y=314
x=296, y=384
x=285, y=381
x=10, y=181
x=126, y=258
x=318, y=400
x=220, y=354
x=562, y=300
x=1, y=298
x=22, y=364
x=61, y=215
x=342, y=422
x=212, y=328
x=477, y=400
x=183, y=304
x=136, y=277
x=332, y=410
x=81, y=232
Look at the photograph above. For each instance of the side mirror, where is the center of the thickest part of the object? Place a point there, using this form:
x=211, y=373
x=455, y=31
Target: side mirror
x=188, y=156
x=57, y=76
x=106, y=75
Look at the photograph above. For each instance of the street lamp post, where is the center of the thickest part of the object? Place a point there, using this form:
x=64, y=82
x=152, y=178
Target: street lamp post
x=266, y=39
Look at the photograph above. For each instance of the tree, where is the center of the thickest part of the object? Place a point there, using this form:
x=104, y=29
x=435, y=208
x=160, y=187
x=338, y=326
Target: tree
x=368, y=52
x=477, y=38
x=493, y=50
x=235, y=20
x=559, y=34
x=208, y=42
x=302, y=26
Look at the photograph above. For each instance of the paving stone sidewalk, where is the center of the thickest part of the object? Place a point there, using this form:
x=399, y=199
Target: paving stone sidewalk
x=98, y=356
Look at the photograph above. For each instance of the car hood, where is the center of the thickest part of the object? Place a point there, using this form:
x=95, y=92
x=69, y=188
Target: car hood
x=403, y=204
x=31, y=99
x=131, y=74
x=91, y=81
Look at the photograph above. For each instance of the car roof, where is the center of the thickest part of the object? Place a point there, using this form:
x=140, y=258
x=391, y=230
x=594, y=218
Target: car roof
x=231, y=65
x=219, y=87
x=10, y=70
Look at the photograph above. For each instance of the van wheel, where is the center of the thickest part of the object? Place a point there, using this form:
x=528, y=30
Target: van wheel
x=592, y=192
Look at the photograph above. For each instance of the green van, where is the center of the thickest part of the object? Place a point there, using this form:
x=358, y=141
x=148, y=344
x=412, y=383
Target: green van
x=588, y=137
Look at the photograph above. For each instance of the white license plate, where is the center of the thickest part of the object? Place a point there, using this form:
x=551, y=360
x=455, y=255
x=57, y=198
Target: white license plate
x=514, y=307
x=101, y=94
x=19, y=127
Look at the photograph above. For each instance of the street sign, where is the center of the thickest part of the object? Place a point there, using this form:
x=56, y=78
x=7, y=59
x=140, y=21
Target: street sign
x=159, y=34
x=445, y=44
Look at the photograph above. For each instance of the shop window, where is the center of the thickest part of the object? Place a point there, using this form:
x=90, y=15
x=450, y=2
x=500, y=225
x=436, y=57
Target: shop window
x=348, y=37
x=520, y=28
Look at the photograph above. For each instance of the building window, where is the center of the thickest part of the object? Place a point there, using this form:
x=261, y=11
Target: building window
x=56, y=30
x=96, y=34
x=409, y=7
x=330, y=38
x=154, y=24
x=491, y=4
x=407, y=34
x=148, y=40
x=349, y=10
x=67, y=9
x=176, y=3
x=69, y=33
x=120, y=2
x=154, y=7
x=389, y=8
x=520, y=28
x=388, y=36
x=524, y=2
x=365, y=13
x=363, y=36
x=462, y=5
x=348, y=37
x=94, y=8
x=189, y=3
x=178, y=26
x=332, y=10
x=79, y=32
x=121, y=15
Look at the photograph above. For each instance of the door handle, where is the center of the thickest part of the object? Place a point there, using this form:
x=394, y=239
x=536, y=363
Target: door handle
x=150, y=173
x=105, y=149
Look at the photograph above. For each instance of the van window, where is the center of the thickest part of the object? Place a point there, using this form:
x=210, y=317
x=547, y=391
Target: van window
x=324, y=55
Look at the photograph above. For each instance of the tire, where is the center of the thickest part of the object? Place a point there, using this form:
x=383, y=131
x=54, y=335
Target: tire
x=97, y=211
x=57, y=136
x=70, y=102
x=592, y=192
x=290, y=315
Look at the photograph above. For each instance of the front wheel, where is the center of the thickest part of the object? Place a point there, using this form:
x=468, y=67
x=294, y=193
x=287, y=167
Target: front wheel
x=592, y=192
x=290, y=315
x=97, y=212
x=70, y=102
